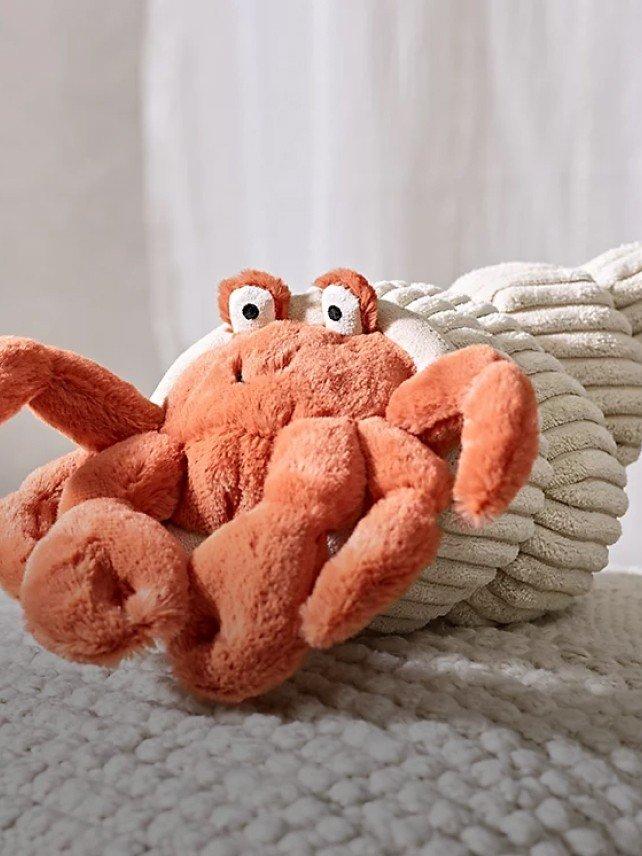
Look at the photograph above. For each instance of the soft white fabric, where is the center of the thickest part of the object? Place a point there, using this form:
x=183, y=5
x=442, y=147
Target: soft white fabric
x=620, y=270
x=576, y=320
x=446, y=742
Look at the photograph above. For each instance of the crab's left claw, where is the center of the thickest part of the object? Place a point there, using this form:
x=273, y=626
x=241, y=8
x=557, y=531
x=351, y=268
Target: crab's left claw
x=479, y=396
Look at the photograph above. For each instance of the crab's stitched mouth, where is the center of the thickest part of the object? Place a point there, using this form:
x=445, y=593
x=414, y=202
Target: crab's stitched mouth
x=237, y=369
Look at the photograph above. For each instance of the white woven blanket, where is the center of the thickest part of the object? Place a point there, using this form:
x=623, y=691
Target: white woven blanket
x=448, y=741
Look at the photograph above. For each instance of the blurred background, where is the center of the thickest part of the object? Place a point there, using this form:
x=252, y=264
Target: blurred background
x=148, y=149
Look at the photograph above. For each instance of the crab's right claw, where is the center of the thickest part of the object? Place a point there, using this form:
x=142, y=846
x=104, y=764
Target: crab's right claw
x=77, y=396
x=25, y=368
x=27, y=515
x=476, y=394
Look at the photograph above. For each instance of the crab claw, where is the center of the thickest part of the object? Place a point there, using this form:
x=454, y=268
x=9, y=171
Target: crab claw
x=483, y=399
x=81, y=399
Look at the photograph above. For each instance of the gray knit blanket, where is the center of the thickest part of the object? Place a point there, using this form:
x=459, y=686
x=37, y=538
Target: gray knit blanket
x=448, y=741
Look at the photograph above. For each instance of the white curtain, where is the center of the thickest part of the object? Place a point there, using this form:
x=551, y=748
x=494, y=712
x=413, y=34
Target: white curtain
x=406, y=138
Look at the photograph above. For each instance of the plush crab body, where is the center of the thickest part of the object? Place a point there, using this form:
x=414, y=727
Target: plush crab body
x=268, y=446
x=227, y=410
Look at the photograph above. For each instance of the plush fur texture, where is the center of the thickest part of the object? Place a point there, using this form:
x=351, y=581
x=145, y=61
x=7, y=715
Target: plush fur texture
x=268, y=445
x=28, y=514
x=252, y=576
x=408, y=486
x=104, y=582
x=81, y=399
x=144, y=472
x=228, y=408
x=478, y=395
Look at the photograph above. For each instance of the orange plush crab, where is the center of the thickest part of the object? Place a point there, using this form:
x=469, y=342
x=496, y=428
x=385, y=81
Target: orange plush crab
x=285, y=435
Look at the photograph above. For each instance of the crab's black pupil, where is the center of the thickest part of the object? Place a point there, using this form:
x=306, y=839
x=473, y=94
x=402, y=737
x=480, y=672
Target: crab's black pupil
x=335, y=313
x=250, y=311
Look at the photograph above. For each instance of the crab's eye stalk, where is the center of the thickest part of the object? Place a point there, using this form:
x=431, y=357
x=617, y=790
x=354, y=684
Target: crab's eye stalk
x=250, y=307
x=348, y=301
x=341, y=310
x=252, y=299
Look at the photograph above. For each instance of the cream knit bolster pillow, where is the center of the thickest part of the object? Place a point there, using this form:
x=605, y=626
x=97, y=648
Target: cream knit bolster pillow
x=543, y=563
x=575, y=319
x=561, y=327
x=620, y=271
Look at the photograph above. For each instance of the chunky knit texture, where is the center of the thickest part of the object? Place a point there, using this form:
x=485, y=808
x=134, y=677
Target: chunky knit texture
x=543, y=552
x=448, y=741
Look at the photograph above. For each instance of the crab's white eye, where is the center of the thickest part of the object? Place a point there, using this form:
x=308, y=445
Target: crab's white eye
x=341, y=310
x=250, y=307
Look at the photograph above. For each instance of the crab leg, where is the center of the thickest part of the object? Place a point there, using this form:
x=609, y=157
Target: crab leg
x=77, y=396
x=145, y=472
x=251, y=578
x=252, y=575
x=484, y=397
x=28, y=514
x=104, y=582
x=409, y=485
x=107, y=578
